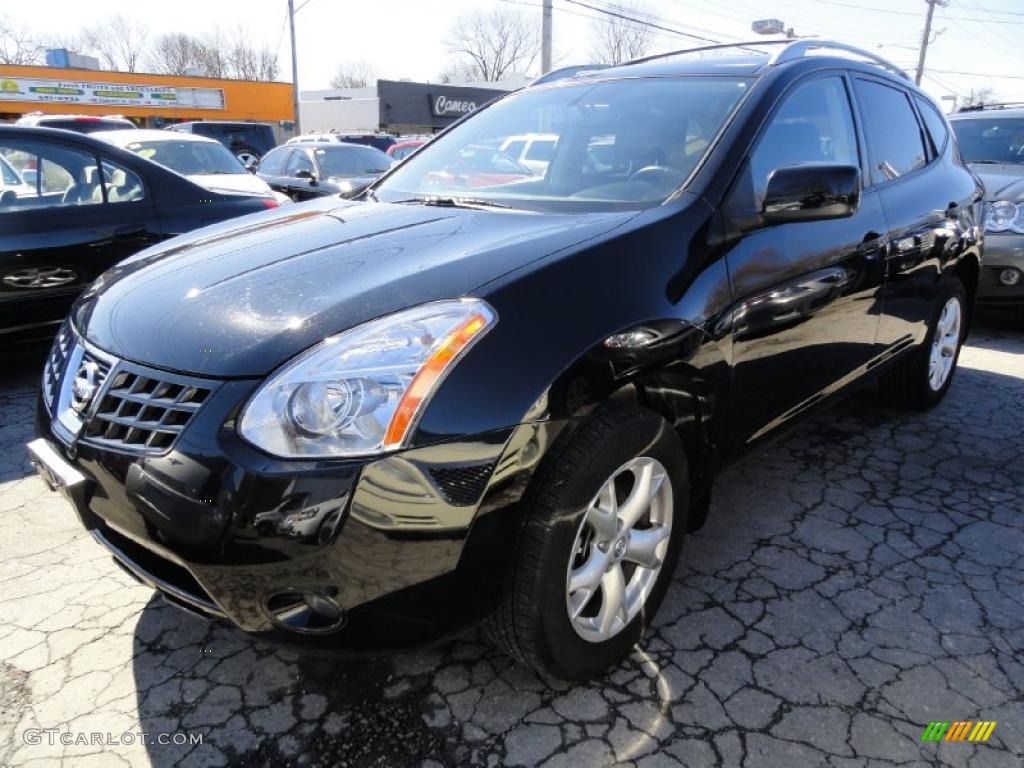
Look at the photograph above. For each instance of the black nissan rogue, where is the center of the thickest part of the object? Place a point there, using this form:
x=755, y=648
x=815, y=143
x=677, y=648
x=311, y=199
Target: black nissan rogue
x=475, y=396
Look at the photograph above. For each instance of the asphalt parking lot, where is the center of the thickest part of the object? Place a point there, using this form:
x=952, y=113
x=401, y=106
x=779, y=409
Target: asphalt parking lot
x=857, y=579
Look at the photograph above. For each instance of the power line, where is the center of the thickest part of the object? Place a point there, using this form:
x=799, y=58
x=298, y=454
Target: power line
x=902, y=13
x=635, y=20
x=977, y=74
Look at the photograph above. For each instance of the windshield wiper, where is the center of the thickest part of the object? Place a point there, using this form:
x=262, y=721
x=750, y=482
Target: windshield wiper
x=453, y=202
x=990, y=162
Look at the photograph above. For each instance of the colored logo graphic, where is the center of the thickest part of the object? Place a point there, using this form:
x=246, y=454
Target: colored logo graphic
x=959, y=730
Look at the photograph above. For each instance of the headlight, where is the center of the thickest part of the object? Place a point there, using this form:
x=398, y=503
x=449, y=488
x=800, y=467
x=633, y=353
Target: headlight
x=361, y=392
x=1003, y=215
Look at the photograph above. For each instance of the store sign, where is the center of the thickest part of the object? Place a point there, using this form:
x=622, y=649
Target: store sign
x=444, y=105
x=114, y=94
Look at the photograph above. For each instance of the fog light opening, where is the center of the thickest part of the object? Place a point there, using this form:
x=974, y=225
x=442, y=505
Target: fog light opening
x=1009, y=276
x=303, y=611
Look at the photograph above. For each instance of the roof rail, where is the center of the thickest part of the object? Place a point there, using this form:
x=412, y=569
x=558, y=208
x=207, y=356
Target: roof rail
x=994, y=105
x=564, y=72
x=792, y=50
x=717, y=46
x=797, y=49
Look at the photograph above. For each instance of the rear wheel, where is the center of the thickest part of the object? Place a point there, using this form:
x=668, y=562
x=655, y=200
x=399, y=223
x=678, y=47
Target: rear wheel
x=248, y=156
x=600, y=541
x=922, y=379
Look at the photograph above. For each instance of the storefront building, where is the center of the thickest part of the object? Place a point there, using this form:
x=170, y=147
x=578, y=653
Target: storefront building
x=396, y=106
x=152, y=101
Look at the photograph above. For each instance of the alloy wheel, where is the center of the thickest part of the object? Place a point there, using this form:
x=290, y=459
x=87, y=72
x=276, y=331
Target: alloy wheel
x=945, y=344
x=619, y=549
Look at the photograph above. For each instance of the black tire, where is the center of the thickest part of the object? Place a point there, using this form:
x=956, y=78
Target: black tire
x=531, y=623
x=906, y=386
x=247, y=155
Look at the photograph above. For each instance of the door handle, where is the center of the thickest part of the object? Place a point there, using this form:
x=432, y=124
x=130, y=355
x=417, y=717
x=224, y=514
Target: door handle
x=873, y=246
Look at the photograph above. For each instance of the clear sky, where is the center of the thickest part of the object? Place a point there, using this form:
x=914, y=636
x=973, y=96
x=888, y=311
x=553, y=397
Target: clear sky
x=979, y=42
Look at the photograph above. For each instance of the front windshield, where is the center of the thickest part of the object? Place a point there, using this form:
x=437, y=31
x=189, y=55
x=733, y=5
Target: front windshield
x=189, y=158
x=997, y=140
x=588, y=146
x=352, y=160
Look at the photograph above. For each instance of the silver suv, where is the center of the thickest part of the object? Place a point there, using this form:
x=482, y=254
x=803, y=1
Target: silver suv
x=991, y=140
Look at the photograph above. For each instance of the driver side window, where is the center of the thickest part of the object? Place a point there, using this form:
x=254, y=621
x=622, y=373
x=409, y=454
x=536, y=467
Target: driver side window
x=299, y=161
x=813, y=125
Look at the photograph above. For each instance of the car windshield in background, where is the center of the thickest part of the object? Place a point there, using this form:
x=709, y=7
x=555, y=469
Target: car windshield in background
x=189, y=158
x=612, y=144
x=996, y=140
x=339, y=161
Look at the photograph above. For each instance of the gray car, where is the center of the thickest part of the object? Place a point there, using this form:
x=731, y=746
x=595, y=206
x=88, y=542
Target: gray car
x=992, y=141
x=305, y=171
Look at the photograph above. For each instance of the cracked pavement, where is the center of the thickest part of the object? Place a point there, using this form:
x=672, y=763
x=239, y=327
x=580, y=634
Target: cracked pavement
x=858, y=578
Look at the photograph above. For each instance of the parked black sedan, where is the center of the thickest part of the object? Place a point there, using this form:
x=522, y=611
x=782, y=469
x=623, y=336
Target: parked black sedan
x=74, y=207
x=304, y=171
x=368, y=423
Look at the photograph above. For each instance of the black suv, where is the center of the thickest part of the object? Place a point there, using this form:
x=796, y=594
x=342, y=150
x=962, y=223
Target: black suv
x=248, y=141
x=482, y=396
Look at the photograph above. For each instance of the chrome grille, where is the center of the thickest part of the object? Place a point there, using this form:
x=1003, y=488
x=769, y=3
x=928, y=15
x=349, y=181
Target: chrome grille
x=55, y=363
x=144, y=411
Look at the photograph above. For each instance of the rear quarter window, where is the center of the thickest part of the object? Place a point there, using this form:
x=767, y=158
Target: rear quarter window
x=934, y=123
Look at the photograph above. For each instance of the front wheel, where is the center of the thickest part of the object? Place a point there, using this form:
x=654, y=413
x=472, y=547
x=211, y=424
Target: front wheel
x=922, y=379
x=601, y=537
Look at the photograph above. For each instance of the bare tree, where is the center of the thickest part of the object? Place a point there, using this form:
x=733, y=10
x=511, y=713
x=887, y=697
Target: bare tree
x=120, y=42
x=353, y=74
x=979, y=97
x=616, y=39
x=459, y=72
x=18, y=45
x=248, y=61
x=216, y=54
x=494, y=44
x=175, y=53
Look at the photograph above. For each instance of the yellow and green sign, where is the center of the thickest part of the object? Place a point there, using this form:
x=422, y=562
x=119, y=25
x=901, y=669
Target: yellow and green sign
x=113, y=94
x=958, y=730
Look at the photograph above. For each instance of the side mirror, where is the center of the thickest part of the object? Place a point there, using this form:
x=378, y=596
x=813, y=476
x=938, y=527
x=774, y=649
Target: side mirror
x=811, y=192
x=305, y=173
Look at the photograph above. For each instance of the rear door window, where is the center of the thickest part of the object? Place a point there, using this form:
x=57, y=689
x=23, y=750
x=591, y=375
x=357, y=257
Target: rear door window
x=895, y=143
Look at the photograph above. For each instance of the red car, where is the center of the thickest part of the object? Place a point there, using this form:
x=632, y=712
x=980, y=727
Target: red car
x=479, y=166
x=405, y=148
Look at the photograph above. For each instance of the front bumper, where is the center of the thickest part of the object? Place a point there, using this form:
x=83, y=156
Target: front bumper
x=1002, y=251
x=393, y=551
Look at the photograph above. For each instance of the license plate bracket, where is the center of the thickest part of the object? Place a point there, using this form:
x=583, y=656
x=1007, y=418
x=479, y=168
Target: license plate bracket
x=60, y=476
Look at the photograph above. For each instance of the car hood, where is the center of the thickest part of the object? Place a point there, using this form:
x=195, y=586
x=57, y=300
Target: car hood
x=243, y=183
x=240, y=298
x=1002, y=182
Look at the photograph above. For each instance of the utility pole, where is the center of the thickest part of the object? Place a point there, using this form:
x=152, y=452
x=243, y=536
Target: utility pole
x=295, y=67
x=545, y=38
x=926, y=37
